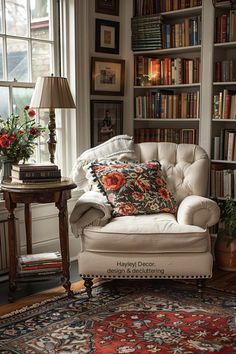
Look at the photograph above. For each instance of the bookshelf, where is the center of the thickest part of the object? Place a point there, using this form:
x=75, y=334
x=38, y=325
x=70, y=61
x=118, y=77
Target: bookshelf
x=223, y=124
x=167, y=85
x=212, y=121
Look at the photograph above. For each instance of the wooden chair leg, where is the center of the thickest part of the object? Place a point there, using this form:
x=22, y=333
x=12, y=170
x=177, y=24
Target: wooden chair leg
x=200, y=287
x=88, y=283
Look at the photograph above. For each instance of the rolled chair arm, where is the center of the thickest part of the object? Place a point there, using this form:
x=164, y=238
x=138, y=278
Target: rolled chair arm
x=198, y=211
x=91, y=208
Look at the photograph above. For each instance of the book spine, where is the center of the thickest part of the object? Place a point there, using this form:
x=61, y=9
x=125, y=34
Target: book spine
x=35, y=174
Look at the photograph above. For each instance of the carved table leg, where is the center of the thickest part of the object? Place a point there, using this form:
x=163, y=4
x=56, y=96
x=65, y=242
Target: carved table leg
x=28, y=228
x=12, y=246
x=201, y=286
x=64, y=242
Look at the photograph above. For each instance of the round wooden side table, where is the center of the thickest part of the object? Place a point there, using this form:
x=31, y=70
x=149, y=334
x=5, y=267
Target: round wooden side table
x=45, y=192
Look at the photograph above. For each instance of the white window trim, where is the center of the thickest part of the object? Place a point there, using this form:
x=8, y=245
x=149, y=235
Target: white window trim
x=76, y=67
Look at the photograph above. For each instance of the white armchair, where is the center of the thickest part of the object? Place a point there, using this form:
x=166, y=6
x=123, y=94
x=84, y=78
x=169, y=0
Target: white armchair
x=161, y=245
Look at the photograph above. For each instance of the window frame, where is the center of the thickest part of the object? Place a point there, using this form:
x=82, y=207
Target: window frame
x=55, y=55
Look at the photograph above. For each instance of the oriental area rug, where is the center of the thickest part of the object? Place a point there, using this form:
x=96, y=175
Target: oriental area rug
x=125, y=317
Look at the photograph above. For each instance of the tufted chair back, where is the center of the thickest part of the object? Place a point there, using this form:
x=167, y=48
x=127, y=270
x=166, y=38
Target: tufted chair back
x=185, y=166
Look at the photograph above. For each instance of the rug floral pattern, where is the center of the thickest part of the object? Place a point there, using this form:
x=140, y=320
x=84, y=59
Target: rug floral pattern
x=134, y=317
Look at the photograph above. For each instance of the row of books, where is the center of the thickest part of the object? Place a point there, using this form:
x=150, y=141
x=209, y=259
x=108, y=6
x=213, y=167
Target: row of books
x=225, y=30
x=182, y=34
x=148, y=7
x=225, y=70
x=223, y=183
x=168, y=105
x=225, y=145
x=146, y=33
x=224, y=105
x=35, y=173
x=168, y=71
x=185, y=136
x=40, y=263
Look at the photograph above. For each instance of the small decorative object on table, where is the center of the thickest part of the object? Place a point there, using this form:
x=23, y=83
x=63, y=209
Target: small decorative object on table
x=17, y=139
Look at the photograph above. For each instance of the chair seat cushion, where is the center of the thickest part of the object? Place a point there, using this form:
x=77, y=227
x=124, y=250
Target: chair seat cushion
x=154, y=233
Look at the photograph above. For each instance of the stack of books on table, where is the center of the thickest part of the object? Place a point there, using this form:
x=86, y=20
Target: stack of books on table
x=35, y=173
x=39, y=264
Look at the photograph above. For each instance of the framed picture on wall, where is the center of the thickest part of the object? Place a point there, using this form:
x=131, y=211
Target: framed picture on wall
x=109, y=7
x=107, y=36
x=106, y=120
x=107, y=76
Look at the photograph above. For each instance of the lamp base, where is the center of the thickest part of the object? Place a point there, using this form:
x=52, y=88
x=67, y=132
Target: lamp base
x=52, y=135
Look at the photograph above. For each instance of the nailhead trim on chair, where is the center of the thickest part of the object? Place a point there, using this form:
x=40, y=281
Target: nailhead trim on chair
x=145, y=276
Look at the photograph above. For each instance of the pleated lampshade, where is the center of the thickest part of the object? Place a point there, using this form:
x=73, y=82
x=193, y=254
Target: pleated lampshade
x=52, y=92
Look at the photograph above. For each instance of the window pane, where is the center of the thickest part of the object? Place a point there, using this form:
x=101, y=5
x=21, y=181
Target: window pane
x=40, y=19
x=16, y=17
x=41, y=54
x=21, y=98
x=4, y=101
x=17, y=60
x=1, y=60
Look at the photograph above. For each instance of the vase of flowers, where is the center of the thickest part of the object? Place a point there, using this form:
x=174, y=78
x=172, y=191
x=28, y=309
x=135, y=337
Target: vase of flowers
x=18, y=136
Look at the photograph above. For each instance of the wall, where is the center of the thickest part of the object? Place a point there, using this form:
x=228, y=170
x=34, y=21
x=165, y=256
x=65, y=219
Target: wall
x=85, y=48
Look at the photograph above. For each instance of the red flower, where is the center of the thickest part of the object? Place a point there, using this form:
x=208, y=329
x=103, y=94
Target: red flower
x=142, y=184
x=34, y=131
x=99, y=168
x=4, y=140
x=12, y=138
x=126, y=209
x=122, y=165
x=113, y=181
x=18, y=134
x=152, y=164
x=31, y=113
x=164, y=193
x=159, y=181
x=165, y=210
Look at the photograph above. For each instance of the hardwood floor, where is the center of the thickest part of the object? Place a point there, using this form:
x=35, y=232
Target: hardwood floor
x=31, y=293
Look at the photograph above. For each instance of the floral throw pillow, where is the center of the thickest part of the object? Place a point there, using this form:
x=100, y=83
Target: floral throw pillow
x=134, y=188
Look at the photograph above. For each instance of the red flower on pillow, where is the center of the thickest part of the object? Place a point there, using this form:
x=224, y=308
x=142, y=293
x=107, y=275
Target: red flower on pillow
x=100, y=168
x=164, y=193
x=151, y=164
x=159, y=181
x=123, y=165
x=126, y=209
x=113, y=181
x=143, y=184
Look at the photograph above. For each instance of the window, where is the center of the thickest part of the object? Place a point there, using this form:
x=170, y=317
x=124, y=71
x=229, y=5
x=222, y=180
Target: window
x=28, y=42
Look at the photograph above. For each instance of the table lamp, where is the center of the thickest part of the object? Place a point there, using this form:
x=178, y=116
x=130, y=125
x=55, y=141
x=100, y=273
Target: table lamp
x=52, y=92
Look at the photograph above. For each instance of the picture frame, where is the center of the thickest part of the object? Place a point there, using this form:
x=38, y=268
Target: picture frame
x=109, y=7
x=107, y=76
x=106, y=120
x=107, y=36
